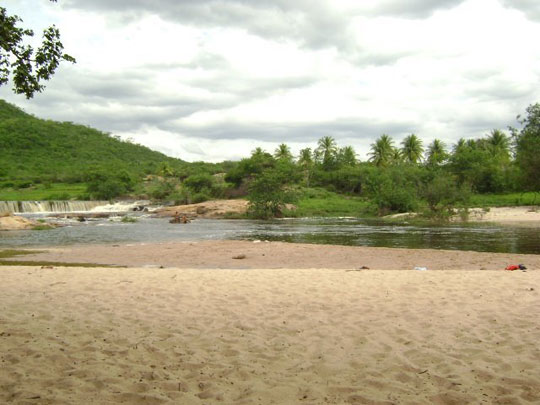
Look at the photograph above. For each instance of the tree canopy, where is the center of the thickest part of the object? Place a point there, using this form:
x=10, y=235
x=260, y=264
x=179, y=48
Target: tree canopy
x=27, y=67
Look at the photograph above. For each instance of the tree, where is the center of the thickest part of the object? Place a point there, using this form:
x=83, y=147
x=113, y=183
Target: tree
x=305, y=161
x=346, y=156
x=382, y=151
x=268, y=194
x=165, y=170
x=326, y=151
x=393, y=189
x=442, y=195
x=412, y=149
x=28, y=67
x=283, y=152
x=499, y=145
x=436, y=153
x=528, y=148
x=248, y=168
x=460, y=146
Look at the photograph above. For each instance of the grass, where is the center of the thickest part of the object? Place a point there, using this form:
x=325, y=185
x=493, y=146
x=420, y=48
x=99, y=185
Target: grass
x=39, y=192
x=322, y=203
x=11, y=253
x=42, y=227
x=129, y=220
x=503, y=200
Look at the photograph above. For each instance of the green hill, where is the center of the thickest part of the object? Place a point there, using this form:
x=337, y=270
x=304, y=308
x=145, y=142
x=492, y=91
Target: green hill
x=37, y=150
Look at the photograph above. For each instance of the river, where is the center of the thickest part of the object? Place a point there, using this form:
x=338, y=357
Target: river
x=339, y=231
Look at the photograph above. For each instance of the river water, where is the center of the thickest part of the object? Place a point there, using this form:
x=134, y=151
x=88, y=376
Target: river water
x=339, y=231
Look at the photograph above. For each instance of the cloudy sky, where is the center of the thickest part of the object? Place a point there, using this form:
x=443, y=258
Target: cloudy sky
x=213, y=79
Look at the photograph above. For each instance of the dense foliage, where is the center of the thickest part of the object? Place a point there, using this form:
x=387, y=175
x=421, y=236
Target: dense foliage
x=435, y=179
x=43, y=152
x=409, y=176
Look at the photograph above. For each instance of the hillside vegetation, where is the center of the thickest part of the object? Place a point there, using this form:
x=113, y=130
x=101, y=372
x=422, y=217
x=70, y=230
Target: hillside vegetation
x=39, y=150
x=44, y=159
x=51, y=160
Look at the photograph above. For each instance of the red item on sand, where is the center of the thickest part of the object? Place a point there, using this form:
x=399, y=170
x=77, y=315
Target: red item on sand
x=512, y=267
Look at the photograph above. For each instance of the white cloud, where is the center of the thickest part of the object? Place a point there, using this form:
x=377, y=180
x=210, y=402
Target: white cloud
x=211, y=80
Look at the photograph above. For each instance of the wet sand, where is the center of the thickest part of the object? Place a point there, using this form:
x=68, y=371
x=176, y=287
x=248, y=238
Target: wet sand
x=268, y=336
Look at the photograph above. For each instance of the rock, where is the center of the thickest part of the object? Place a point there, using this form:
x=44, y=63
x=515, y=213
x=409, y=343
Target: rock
x=207, y=209
x=239, y=257
x=201, y=210
x=16, y=223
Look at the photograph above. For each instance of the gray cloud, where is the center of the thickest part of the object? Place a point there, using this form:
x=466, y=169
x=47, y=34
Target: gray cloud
x=314, y=23
x=412, y=8
x=130, y=100
x=531, y=8
x=346, y=128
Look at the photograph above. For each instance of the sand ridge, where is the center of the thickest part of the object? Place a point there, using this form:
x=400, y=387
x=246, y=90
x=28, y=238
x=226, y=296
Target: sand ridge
x=279, y=336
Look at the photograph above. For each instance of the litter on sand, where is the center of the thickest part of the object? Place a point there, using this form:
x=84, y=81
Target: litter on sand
x=421, y=268
x=513, y=267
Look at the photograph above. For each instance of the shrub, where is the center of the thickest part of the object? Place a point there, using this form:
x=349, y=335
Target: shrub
x=268, y=195
x=200, y=197
x=442, y=194
x=198, y=182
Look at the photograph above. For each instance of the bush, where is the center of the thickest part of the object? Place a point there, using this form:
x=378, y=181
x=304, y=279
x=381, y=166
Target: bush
x=200, y=197
x=58, y=197
x=161, y=189
x=267, y=195
x=129, y=220
x=197, y=182
x=22, y=184
x=393, y=189
x=442, y=194
x=108, y=189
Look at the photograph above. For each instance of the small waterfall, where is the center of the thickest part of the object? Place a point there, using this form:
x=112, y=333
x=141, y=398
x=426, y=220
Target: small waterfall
x=122, y=206
x=30, y=207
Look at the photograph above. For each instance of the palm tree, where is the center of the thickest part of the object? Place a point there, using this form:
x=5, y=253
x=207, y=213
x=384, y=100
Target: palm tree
x=499, y=144
x=397, y=156
x=460, y=146
x=382, y=151
x=257, y=152
x=283, y=152
x=436, y=153
x=412, y=149
x=305, y=158
x=326, y=150
x=305, y=161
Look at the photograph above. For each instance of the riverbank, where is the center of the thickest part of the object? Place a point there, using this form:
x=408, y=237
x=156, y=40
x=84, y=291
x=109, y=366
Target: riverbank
x=324, y=336
x=506, y=215
x=275, y=255
x=16, y=223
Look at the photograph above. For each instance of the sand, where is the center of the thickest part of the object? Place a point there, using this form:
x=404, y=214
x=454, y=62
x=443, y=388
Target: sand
x=16, y=223
x=268, y=336
x=506, y=215
x=275, y=255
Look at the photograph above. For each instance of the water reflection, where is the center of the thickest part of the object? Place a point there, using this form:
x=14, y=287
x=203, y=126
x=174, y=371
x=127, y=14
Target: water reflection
x=339, y=231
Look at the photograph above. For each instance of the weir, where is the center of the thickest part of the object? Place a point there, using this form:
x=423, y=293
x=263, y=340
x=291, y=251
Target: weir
x=29, y=207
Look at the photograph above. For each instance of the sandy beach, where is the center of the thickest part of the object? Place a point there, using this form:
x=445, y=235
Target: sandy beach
x=230, y=254
x=268, y=336
x=526, y=216
x=240, y=322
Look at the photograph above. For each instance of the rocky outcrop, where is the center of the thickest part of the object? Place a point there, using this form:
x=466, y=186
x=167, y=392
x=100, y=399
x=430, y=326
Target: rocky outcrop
x=15, y=223
x=207, y=209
